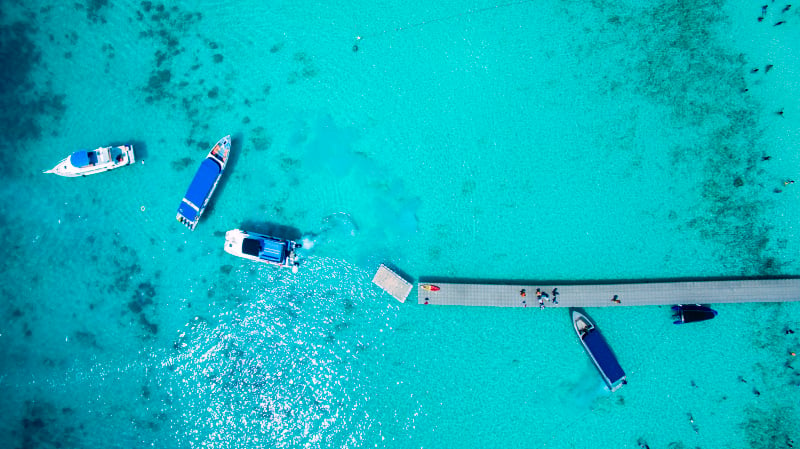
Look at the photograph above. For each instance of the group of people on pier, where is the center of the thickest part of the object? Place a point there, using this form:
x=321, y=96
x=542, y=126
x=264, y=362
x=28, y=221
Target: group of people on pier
x=541, y=296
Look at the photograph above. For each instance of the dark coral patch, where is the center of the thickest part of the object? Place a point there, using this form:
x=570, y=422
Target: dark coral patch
x=23, y=103
x=159, y=80
x=108, y=49
x=161, y=57
x=309, y=72
x=142, y=297
x=182, y=163
x=148, y=325
x=260, y=139
x=94, y=10
x=41, y=425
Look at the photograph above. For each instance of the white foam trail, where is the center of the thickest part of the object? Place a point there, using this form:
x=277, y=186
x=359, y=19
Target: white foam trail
x=307, y=242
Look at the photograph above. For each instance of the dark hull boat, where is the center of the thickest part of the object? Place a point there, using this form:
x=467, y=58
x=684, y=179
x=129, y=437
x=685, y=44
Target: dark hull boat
x=689, y=313
x=601, y=354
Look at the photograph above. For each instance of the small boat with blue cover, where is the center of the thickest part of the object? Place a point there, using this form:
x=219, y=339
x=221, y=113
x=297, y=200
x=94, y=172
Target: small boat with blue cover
x=262, y=248
x=204, y=183
x=601, y=354
x=86, y=162
x=690, y=313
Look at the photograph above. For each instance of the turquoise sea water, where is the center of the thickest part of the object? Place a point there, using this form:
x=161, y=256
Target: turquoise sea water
x=527, y=141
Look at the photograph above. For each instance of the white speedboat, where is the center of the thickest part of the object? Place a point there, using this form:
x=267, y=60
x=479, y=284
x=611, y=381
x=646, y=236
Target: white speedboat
x=86, y=162
x=262, y=248
x=204, y=183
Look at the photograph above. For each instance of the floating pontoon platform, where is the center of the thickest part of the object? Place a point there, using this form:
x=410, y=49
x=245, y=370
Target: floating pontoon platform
x=392, y=283
x=612, y=295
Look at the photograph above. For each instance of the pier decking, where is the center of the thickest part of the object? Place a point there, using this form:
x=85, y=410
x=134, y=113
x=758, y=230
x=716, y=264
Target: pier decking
x=602, y=295
x=392, y=283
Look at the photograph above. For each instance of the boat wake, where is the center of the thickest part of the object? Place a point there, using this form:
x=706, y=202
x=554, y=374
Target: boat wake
x=286, y=367
x=339, y=223
x=588, y=389
x=336, y=230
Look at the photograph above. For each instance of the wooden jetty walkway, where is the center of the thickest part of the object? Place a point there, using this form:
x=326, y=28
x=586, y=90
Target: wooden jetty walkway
x=603, y=295
x=392, y=283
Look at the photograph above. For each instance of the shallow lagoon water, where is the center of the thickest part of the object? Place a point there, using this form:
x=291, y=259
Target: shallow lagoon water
x=529, y=141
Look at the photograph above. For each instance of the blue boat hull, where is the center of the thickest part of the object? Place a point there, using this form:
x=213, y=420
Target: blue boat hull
x=204, y=183
x=599, y=351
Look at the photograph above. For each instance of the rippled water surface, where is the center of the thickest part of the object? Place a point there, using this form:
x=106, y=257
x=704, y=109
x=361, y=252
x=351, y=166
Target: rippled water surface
x=512, y=141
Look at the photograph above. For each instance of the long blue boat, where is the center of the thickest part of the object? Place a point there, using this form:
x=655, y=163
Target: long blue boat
x=598, y=350
x=204, y=183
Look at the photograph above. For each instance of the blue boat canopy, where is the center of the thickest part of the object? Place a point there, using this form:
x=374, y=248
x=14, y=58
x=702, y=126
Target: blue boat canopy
x=273, y=251
x=187, y=211
x=605, y=358
x=201, y=185
x=79, y=158
x=116, y=154
x=267, y=249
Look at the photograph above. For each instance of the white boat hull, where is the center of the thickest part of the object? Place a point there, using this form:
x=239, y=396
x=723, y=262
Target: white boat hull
x=103, y=159
x=234, y=245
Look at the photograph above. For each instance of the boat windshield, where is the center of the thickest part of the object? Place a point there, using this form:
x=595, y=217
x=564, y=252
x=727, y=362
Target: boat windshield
x=251, y=247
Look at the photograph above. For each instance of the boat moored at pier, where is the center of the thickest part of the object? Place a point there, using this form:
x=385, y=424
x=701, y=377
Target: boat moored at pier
x=690, y=313
x=601, y=354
